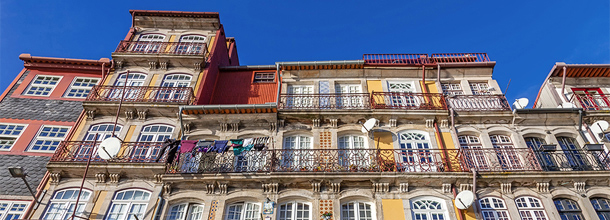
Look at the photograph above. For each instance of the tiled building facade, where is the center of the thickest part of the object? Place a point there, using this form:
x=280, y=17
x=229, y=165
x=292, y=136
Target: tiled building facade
x=284, y=141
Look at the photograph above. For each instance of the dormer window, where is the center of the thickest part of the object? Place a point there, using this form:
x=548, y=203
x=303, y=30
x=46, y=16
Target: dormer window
x=264, y=77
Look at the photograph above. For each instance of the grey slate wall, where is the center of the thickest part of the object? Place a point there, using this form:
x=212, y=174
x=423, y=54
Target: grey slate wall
x=34, y=167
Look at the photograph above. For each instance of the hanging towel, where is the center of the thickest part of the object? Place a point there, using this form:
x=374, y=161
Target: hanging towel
x=248, y=144
x=187, y=145
x=204, y=146
x=220, y=146
x=237, y=142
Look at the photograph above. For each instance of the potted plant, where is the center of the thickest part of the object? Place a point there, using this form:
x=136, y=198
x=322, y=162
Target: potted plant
x=327, y=215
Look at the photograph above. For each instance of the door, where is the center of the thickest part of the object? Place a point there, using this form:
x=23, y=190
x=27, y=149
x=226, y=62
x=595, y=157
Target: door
x=172, y=88
x=149, y=43
x=591, y=98
x=133, y=89
x=300, y=97
x=402, y=94
x=346, y=98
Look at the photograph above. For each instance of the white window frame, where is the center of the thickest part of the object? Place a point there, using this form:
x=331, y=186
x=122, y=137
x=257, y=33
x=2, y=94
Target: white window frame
x=6, y=138
x=121, y=79
x=291, y=214
x=452, y=88
x=416, y=155
x=253, y=213
x=7, y=206
x=531, y=208
x=171, y=81
x=351, y=156
x=479, y=87
x=295, y=100
x=493, y=208
x=192, y=45
x=185, y=211
x=294, y=158
x=508, y=158
x=472, y=143
x=102, y=134
x=356, y=210
x=429, y=212
x=348, y=101
x=38, y=137
x=127, y=214
x=84, y=88
x=66, y=205
x=156, y=134
x=601, y=211
x=37, y=85
x=568, y=212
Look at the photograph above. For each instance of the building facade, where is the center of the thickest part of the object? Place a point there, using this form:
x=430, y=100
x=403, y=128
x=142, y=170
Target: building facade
x=205, y=138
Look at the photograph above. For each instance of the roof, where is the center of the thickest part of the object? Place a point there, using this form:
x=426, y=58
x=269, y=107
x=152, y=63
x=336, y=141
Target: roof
x=175, y=19
x=174, y=14
x=33, y=166
x=580, y=70
x=80, y=65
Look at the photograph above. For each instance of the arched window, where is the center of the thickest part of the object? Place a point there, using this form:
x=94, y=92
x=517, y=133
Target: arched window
x=568, y=209
x=156, y=133
x=428, y=208
x=473, y=154
x=63, y=202
x=493, y=209
x=352, y=142
x=416, y=157
x=296, y=155
x=243, y=211
x=530, y=208
x=545, y=159
x=132, y=91
x=353, y=154
x=571, y=150
x=176, y=80
x=357, y=211
x=102, y=131
x=294, y=210
x=186, y=211
x=507, y=157
x=135, y=79
x=602, y=207
x=149, y=43
x=128, y=203
x=169, y=92
x=191, y=44
x=152, y=37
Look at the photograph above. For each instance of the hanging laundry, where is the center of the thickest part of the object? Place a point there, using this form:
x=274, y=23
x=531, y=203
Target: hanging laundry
x=237, y=145
x=204, y=146
x=260, y=143
x=187, y=145
x=170, y=145
x=248, y=144
x=220, y=146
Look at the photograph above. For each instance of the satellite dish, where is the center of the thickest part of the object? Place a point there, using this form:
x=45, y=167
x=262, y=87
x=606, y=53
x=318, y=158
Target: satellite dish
x=368, y=125
x=599, y=127
x=464, y=199
x=521, y=103
x=566, y=105
x=109, y=148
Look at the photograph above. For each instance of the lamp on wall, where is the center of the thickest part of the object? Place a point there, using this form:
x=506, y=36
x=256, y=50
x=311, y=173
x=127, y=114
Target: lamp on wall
x=18, y=172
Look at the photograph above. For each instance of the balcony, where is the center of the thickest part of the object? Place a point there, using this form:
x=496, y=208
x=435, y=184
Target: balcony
x=165, y=48
x=499, y=160
x=337, y=101
x=478, y=103
x=593, y=102
x=423, y=59
x=573, y=160
x=408, y=101
x=178, y=95
x=130, y=152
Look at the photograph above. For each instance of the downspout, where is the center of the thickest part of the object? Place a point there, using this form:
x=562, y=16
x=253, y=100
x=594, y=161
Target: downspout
x=180, y=108
x=563, y=81
x=279, y=83
x=459, y=210
x=425, y=88
x=441, y=144
x=475, y=201
x=158, y=205
x=438, y=73
x=580, y=115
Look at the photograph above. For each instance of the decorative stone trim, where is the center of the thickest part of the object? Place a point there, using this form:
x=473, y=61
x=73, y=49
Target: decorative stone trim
x=542, y=187
x=119, y=64
x=335, y=187
x=446, y=188
x=272, y=126
x=444, y=123
x=224, y=127
x=464, y=187
x=315, y=186
x=129, y=114
x=506, y=188
x=281, y=123
x=316, y=122
x=381, y=187
x=392, y=122
x=158, y=178
x=142, y=114
x=429, y=123
x=91, y=114
x=55, y=177
x=100, y=177
x=187, y=127
x=152, y=65
x=223, y=188
x=209, y=188
x=163, y=65
x=197, y=66
x=167, y=188
x=270, y=187
x=580, y=186
x=404, y=187
x=334, y=122
x=115, y=177
x=235, y=127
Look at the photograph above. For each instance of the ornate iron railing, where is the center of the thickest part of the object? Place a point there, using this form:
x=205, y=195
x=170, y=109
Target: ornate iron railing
x=573, y=160
x=183, y=95
x=325, y=101
x=593, y=101
x=175, y=48
x=458, y=57
x=411, y=101
x=423, y=59
x=499, y=159
x=478, y=103
x=130, y=152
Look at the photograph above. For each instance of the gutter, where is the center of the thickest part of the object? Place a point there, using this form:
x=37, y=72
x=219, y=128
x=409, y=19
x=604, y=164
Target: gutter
x=254, y=67
x=320, y=63
x=548, y=110
x=220, y=107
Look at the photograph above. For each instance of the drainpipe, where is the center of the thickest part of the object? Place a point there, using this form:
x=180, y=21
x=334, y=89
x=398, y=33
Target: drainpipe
x=580, y=115
x=180, y=108
x=425, y=88
x=438, y=73
x=455, y=195
x=475, y=201
x=563, y=81
x=279, y=83
x=441, y=143
x=159, y=205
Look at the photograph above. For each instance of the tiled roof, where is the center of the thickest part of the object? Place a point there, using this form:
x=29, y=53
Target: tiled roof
x=33, y=166
x=38, y=109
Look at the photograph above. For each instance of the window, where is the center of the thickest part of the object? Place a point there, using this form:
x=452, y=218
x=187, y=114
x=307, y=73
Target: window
x=63, y=202
x=353, y=154
x=128, y=203
x=264, y=77
x=294, y=211
x=133, y=89
x=102, y=131
x=450, y=88
x=507, y=156
x=149, y=43
x=568, y=209
x=480, y=88
x=544, y=158
x=243, y=211
x=9, y=134
x=493, y=209
x=156, y=133
x=356, y=211
x=186, y=211
x=299, y=97
x=135, y=79
x=347, y=99
x=191, y=44
x=48, y=138
x=81, y=87
x=42, y=85
x=170, y=92
x=416, y=157
x=473, y=154
x=573, y=153
x=401, y=94
x=428, y=208
x=152, y=37
x=602, y=207
x=530, y=208
x=10, y=210
x=295, y=155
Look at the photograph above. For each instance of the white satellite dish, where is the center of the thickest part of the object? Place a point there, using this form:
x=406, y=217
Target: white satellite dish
x=464, y=199
x=521, y=103
x=368, y=125
x=599, y=127
x=109, y=148
x=566, y=105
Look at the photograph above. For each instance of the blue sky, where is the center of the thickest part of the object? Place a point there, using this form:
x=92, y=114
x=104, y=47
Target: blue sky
x=525, y=38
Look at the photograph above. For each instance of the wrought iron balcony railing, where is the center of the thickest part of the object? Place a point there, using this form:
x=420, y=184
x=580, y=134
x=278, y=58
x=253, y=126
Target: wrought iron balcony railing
x=478, y=103
x=423, y=59
x=130, y=152
x=593, y=101
x=499, y=159
x=173, y=48
x=325, y=101
x=411, y=101
x=182, y=95
x=459, y=57
x=573, y=160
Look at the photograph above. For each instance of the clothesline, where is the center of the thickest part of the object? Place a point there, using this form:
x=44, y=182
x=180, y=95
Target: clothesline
x=222, y=146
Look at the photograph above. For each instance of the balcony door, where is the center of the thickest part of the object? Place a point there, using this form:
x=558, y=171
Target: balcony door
x=573, y=155
x=591, y=98
x=103, y=131
x=401, y=94
x=297, y=154
x=132, y=89
x=345, y=100
x=300, y=96
x=505, y=152
x=145, y=150
x=353, y=153
x=472, y=150
x=149, y=43
x=191, y=44
x=171, y=88
x=416, y=155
